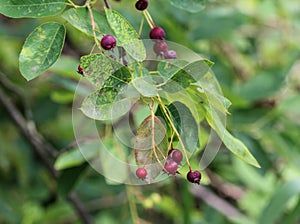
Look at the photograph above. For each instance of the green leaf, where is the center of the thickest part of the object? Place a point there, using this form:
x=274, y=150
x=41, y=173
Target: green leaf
x=185, y=124
x=41, y=49
x=68, y=179
x=76, y=157
x=278, y=202
x=32, y=8
x=237, y=147
x=126, y=35
x=143, y=145
x=111, y=101
x=97, y=68
x=80, y=19
x=192, y=72
x=145, y=86
x=189, y=5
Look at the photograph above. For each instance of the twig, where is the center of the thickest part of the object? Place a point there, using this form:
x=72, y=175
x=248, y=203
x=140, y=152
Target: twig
x=39, y=144
x=73, y=198
x=27, y=128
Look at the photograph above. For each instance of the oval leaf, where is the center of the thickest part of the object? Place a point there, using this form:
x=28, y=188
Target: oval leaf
x=97, y=68
x=41, y=49
x=126, y=35
x=80, y=19
x=31, y=9
x=189, y=5
x=185, y=124
x=237, y=147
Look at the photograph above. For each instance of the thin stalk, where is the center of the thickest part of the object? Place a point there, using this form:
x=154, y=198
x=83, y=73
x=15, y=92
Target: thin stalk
x=141, y=26
x=132, y=205
x=152, y=135
x=93, y=25
x=175, y=130
x=149, y=19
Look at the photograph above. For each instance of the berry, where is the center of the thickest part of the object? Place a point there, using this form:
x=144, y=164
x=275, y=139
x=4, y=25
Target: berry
x=176, y=155
x=194, y=176
x=160, y=48
x=171, y=167
x=108, y=42
x=141, y=5
x=141, y=173
x=171, y=54
x=80, y=70
x=157, y=33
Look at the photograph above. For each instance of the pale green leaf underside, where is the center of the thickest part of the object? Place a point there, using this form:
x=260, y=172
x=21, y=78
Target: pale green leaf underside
x=76, y=157
x=237, y=147
x=126, y=35
x=80, y=19
x=31, y=8
x=41, y=49
x=189, y=5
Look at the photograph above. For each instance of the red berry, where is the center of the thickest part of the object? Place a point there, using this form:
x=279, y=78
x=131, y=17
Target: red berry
x=80, y=70
x=108, y=42
x=160, y=48
x=141, y=173
x=171, y=167
x=141, y=5
x=194, y=176
x=176, y=155
x=157, y=33
x=171, y=54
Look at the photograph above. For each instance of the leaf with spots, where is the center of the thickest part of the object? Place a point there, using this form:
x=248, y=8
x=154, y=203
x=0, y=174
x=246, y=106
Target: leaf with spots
x=97, y=68
x=80, y=19
x=41, y=49
x=111, y=101
x=126, y=35
x=31, y=8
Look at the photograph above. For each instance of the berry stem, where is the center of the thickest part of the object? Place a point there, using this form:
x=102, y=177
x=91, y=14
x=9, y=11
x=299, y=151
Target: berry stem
x=141, y=26
x=152, y=134
x=107, y=4
x=149, y=19
x=93, y=25
x=174, y=129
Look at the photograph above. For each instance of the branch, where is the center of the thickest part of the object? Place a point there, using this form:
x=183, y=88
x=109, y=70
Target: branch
x=40, y=146
x=28, y=130
x=73, y=198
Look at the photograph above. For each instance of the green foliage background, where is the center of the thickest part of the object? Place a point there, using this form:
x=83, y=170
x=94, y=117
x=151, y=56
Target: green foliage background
x=255, y=47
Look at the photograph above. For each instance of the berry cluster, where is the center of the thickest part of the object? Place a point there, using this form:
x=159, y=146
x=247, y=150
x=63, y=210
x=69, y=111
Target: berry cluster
x=160, y=47
x=172, y=163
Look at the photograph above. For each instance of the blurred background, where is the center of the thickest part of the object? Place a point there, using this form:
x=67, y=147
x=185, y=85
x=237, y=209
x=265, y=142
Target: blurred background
x=255, y=46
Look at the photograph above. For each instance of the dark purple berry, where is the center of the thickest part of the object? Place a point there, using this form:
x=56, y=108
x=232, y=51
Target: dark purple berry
x=157, y=33
x=108, y=42
x=80, y=70
x=171, y=54
x=194, y=176
x=176, y=155
x=141, y=5
x=171, y=167
x=141, y=173
x=160, y=48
